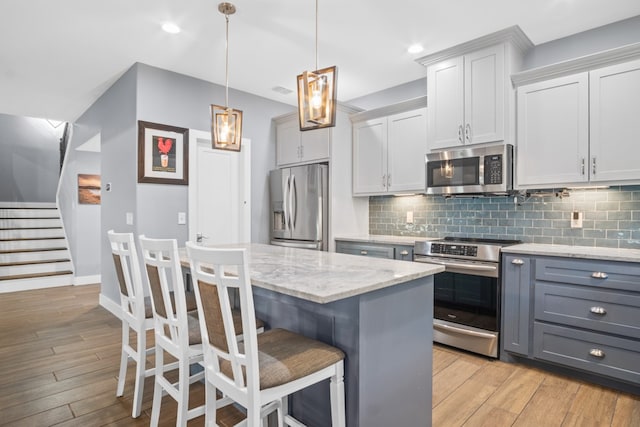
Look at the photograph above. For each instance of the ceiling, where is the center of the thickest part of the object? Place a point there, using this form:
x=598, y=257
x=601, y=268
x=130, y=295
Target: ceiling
x=58, y=57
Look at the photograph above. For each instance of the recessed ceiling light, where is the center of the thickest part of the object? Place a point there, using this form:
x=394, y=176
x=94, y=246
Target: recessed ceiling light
x=170, y=28
x=415, y=48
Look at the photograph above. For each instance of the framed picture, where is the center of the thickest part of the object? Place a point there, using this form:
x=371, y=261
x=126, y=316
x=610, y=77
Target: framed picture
x=163, y=154
x=88, y=189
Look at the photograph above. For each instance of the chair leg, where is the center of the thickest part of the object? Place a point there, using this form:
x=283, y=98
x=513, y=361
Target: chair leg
x=211, y=406
x=157, y=388
x=183, y=392
x=338, y=418
x=141, y=352
x=124, y=359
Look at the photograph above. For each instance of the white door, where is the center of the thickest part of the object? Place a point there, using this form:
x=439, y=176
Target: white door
x=370, y=156
x=219, y=191
x=484, y=95
x=407, y=147
x=615, y=124
x=445, y=82
x=553, y=132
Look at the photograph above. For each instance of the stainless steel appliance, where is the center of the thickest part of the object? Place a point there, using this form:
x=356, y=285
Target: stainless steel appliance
x=299, y=206
x=467, y=294
x=481, y=170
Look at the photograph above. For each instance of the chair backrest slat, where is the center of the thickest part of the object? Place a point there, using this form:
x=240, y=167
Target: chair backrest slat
x=166, y=287
x=125, y=258
x=215, y=272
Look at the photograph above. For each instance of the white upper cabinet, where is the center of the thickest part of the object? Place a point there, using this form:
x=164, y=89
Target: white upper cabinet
x=471, y=99
x=615, y=122
x=466, y=99
x=296, y=147
x=388, y=153
x=580, y=128
x=553, y=131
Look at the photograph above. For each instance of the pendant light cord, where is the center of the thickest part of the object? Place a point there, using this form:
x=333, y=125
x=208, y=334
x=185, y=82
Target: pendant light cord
x=226, y=47
x=316, y=35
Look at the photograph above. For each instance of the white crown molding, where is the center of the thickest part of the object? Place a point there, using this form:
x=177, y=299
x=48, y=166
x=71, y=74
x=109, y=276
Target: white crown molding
x=387, y=110
x=577, y=65
x=513, y=35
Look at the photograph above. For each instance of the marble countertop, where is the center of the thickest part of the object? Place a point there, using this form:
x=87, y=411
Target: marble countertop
x=379, y=238
x=324, y=277
x=608, y=254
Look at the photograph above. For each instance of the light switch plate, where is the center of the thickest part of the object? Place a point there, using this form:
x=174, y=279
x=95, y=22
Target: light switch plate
x=182, y=218
x=409, y=217
x=129, y=218
x=576, y=219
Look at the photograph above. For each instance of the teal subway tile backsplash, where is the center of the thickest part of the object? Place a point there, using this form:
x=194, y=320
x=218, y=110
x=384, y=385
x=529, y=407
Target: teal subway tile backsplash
x=611, y=217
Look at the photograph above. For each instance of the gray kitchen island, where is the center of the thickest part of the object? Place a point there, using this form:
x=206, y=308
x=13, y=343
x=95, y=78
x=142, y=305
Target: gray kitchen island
x=378, y=311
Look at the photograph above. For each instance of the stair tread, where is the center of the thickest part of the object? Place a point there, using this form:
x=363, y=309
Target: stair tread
x=42, y=261
x=32, y=238
x=17, y=251
x=36, y=275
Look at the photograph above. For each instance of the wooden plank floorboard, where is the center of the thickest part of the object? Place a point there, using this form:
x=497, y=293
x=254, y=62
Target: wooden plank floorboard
x=60, y=357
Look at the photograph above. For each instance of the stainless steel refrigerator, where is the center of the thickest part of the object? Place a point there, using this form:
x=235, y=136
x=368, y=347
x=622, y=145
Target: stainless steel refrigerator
x=299, y=206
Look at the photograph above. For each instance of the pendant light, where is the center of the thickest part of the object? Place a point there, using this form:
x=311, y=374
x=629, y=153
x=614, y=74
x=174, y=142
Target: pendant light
x=226, y=123
x=317, y=92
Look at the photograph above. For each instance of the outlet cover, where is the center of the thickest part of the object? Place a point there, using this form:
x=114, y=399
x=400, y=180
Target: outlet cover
x=576, y=219
x=409, y=217
x=182, y=218
x=129, y=218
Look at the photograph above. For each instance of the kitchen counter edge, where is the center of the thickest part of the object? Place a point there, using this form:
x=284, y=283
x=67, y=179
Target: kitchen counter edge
x=567, y=251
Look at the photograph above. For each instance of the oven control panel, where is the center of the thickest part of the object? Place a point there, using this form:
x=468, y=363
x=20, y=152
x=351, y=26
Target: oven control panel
x=459, y=250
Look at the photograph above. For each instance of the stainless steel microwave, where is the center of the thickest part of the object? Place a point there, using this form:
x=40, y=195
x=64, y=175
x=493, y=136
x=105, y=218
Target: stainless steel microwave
x=480, y=170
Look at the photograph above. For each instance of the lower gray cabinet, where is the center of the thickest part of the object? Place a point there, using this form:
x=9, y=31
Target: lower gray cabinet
x=378, y=250
x=516, y=302
x=578, y=313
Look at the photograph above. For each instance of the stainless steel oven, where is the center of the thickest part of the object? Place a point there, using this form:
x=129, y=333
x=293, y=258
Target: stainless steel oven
x=467, y=293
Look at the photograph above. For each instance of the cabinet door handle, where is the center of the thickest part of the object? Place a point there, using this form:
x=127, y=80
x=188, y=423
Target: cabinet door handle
x=460, y=135
x=302, y=151
x=363, y=252
x=404, y=253
x=517, y=261
x=596, y=352
x=389, y=181
x=582, y=167
x=599, y=275
x=467, y=133
x=593, y=165
x=598, y=310
x=384, y=181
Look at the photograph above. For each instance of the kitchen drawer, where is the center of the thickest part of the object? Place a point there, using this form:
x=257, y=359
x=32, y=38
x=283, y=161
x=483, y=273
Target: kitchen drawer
x=579, y=349
x=601, y=274
x=364, y=249
x=602, y=310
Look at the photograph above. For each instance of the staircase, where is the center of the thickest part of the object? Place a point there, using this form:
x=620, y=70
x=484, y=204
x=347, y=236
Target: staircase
x=33, y=249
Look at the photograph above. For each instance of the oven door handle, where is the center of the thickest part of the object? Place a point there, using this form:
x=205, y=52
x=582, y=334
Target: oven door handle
x=476, y=267
x=462, y=331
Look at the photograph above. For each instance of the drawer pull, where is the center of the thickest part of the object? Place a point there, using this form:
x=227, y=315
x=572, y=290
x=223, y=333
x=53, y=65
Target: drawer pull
x=404, y=253
x=599, y=275
x=363, y=252
x=598, y=310
x=517, y=261
x=596, y=352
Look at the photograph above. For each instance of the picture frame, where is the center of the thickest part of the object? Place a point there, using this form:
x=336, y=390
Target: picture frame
x=89, y=189
x=163, y=154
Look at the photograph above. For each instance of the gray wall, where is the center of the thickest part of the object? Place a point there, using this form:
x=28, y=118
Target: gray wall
x=598, y=39
x=155, y=95
x=30, y=160
x=392, y=95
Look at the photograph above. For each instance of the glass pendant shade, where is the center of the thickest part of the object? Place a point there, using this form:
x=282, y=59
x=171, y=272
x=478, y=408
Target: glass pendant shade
x=226, y=127
x=317, y=92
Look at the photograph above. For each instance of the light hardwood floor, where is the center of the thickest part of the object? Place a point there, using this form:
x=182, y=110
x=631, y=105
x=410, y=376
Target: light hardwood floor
x=59, y=357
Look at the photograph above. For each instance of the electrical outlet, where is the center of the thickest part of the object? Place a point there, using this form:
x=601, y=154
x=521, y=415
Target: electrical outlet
x=409, y=217
x=129, y=218
x=576, y=219
x=182, y=218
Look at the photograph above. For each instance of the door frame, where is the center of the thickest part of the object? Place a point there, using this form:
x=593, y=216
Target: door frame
x=245, y=171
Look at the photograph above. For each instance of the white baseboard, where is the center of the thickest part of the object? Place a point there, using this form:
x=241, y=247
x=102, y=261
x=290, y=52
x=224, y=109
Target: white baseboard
x=110, y=305
x=87, y=280
x=35, y=283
